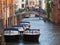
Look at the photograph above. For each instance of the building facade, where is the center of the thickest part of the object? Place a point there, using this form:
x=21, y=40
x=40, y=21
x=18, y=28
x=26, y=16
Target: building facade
x=6, y=11
x=26, y=3
x=55, y=13
x=33, y=3
x=20, y=4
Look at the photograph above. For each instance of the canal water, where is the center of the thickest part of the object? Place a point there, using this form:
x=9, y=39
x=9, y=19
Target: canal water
x=49, y=33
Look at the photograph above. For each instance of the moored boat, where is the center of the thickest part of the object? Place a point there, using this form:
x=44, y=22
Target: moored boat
x=31, y=35
x=20, y=29
x=26, y=25
x=11, y=34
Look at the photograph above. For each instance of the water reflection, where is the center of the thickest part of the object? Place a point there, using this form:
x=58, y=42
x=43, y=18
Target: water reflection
x=22, y=43
x=50, y=33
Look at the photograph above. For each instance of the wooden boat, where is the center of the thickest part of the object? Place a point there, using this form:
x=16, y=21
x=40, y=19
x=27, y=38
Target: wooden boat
x=31, y=35
x=11, y=34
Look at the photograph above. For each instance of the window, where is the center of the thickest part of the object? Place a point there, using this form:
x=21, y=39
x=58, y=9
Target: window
x=54, y=2
x=22, y=5
x=1, y=24
x=16, y=1
x=59, y=5
x=22, y=0
x=26, y=2
x=33, y=3
x=30, y=3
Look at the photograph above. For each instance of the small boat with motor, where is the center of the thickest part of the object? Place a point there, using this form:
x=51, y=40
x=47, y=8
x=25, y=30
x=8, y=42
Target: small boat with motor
x=31, y=35
x=26, y=25
x=11, y=34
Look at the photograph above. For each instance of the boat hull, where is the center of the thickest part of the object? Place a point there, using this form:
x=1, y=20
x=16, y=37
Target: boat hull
x=31, y=38
x=12, y=38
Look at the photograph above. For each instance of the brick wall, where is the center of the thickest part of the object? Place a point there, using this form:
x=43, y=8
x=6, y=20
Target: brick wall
x=55, y=12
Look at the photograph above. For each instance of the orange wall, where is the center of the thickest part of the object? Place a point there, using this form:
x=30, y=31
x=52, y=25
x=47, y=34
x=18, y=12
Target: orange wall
x=0, y=8
x=10, y=10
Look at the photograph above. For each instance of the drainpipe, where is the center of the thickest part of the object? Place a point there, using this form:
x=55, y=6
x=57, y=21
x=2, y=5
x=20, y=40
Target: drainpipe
x=6, y=13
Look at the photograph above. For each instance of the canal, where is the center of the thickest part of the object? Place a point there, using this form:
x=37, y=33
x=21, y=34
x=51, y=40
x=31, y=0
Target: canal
x=49, y=33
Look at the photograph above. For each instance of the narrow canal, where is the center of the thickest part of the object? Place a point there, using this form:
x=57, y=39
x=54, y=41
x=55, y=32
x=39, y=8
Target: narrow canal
x=49, y=33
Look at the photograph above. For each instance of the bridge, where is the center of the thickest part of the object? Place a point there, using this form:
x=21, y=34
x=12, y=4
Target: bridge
x=33, y=13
